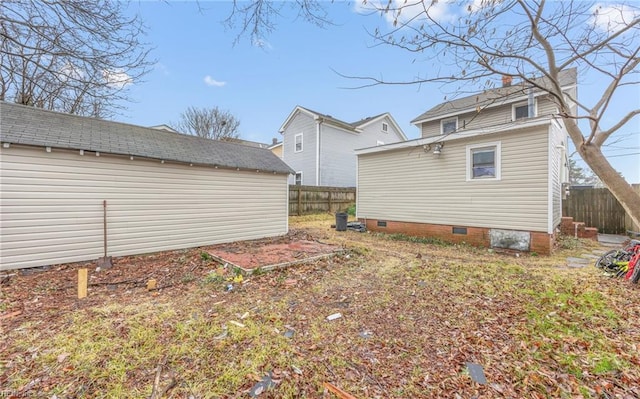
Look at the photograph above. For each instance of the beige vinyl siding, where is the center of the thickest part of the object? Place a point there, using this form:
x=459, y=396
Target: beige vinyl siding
x=52, y=206
x=412, y=185
x=493, y=116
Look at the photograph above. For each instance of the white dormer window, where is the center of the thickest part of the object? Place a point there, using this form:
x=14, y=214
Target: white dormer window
x=521, y=110
x=298, y=143
x=448, y=125
x=385, y=127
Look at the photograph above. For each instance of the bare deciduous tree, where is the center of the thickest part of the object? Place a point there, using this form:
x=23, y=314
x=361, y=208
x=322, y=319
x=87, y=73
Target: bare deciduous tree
x=77, y=57
x=257, y=18
x=478, y=40
x=211, y=123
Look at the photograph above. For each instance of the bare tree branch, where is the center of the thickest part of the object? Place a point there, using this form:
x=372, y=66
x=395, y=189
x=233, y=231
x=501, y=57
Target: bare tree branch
x=72, y=56
x=212, y=123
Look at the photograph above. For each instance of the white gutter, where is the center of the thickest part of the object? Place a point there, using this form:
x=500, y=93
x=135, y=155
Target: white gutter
x=533, y=122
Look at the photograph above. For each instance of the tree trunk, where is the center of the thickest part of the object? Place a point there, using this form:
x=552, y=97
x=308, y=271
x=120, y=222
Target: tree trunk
x=620, y=189
x=617, y=185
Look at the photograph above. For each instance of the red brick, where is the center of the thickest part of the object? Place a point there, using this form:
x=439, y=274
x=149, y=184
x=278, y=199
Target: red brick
x=541, y=243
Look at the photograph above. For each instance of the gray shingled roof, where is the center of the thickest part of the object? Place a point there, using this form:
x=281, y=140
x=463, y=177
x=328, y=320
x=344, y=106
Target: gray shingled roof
x=500, y=95
x=345, y=125
x=21, y=124
x=333, y=121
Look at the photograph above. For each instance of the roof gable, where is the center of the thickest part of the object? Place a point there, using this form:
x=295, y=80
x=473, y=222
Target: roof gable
x=34, y=126
x=378, y=118
x=354, y=127
x=494, y=97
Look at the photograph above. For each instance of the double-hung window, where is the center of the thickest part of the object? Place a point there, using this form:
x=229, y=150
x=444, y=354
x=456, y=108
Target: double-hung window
x=298, y=143
x=298, y=181
x=483, y=161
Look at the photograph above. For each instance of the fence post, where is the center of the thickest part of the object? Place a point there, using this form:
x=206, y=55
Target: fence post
x=329, y=201
x=299, y=201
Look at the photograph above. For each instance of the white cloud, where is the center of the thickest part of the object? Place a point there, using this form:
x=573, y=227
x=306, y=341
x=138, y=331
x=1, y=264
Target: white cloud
x=117, y=78
x=70, y=71
x=612, y=17
x=408, y=11
x=209, y=81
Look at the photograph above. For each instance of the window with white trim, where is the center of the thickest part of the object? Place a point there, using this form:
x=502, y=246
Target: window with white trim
x=448, y=125
x=521, y=111
x=298, y=143
x=298, y=181
x=385, y=127
x=483, y=161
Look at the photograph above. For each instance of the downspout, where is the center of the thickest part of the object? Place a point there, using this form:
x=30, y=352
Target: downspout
x=318, y=129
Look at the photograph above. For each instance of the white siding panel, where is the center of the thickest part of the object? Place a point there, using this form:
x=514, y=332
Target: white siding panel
x=416, y=186
x=304, y=161
x=337, y=156
x=337, y=151
x=51, y=206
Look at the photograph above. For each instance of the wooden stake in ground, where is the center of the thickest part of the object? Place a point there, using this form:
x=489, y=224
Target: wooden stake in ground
x=82, y=283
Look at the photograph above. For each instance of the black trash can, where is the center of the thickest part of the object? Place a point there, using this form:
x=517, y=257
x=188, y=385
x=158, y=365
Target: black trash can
x=341, y=221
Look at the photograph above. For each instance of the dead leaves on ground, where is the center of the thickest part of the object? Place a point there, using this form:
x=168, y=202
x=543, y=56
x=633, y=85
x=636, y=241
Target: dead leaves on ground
x=409, y=326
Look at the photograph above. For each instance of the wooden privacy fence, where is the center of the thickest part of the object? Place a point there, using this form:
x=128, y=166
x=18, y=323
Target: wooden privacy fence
x=304, y=200
x=597, y=207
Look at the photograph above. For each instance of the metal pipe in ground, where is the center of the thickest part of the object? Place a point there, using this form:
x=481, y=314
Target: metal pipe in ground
x=105, y=261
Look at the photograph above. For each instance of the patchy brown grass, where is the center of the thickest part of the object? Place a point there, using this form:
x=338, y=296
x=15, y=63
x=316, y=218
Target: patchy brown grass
x=413, y=314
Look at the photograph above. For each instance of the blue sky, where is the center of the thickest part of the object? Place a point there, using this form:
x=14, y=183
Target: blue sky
x=199, y=65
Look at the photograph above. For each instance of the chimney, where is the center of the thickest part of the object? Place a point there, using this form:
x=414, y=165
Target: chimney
x=274, y=141
x=506, y=80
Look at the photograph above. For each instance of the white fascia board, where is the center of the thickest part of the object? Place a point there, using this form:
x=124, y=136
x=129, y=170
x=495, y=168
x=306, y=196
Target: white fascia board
x=293, y=114
x=541, y=121
x=496, y=104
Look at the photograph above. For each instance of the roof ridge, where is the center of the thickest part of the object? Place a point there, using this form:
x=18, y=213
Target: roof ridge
x=40, y=127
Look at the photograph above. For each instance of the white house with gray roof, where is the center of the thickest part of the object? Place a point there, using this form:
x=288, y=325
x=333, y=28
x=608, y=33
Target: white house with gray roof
x=162, y=190
x=488, y=170
x=321, y=149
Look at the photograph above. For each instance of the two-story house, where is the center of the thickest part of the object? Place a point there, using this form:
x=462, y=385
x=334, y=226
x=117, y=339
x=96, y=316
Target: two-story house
x=488, y=170
x=321, y=148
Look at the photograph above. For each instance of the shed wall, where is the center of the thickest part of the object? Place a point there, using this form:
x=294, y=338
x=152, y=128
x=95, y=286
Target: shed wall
x=52, y=206
x=411, y=185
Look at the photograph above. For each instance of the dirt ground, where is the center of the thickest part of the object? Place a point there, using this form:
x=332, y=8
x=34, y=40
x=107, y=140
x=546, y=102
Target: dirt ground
x=386, y=317
x=27, y=293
